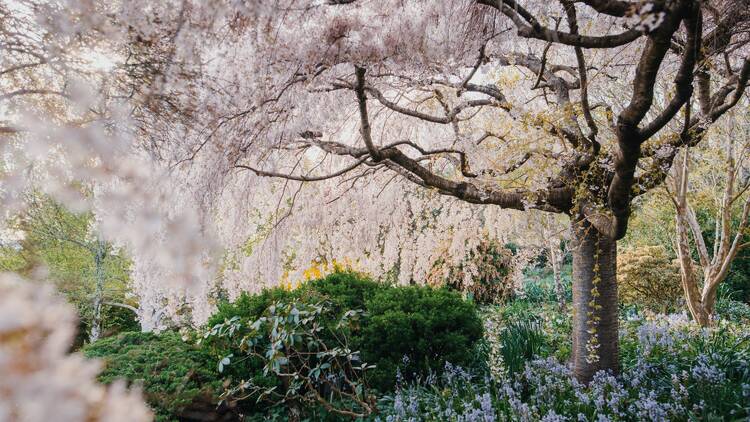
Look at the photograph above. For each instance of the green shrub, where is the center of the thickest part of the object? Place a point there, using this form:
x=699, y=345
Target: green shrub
x=344, y=290
x=249, y=306
x=245, y=310
x=733, y=310
x=175, y=376
x=416, y=330
x=427, y=326
x=647, y=277
x=300, y=346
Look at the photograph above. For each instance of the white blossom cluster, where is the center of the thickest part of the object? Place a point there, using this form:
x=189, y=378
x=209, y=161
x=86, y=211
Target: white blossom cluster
x=646, y=18
x=40, y=381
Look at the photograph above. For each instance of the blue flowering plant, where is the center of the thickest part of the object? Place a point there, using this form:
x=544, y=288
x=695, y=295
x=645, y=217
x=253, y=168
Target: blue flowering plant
x=672, y=371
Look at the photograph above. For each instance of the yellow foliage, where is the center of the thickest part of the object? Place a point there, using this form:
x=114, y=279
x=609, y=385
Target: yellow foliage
x=318, y=268
x=648, y=277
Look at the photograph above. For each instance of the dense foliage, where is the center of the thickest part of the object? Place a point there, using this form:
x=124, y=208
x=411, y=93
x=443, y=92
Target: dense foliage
x=307, y=354
x=411, y=329
x=195, y=149
x=177, y=378
x=416, y=330
x=647, y=276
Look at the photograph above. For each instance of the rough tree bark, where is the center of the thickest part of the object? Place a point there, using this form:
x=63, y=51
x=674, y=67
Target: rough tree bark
x=595, y=323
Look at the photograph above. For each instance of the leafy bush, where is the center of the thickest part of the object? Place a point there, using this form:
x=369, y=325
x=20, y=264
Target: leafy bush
x=485, y=274
x=342, y=290
x=243, y=312
x=416, y=330
x=176, y=377
x=249, y=306
x=647, y=277
x=345, y=290
x=412, y=328
x=307, y=353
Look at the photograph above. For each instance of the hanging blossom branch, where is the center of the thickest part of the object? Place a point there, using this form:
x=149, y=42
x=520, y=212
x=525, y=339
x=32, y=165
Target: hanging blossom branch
x=630, y=132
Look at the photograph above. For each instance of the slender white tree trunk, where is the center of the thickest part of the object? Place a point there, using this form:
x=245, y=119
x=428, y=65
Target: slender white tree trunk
x=96, y=320
x=701, y=298
x=556, y=259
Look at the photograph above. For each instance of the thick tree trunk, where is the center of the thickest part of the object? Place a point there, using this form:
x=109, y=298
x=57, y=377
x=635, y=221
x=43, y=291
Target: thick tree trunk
x=595, y=324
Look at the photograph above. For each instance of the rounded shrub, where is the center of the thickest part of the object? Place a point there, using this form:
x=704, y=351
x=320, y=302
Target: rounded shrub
x=306, y=353
x=411, y=329
x=177, y=378
x=341, y=291
x=344, y=290
x=416, y=330
x=249, y=306
x=648, y=277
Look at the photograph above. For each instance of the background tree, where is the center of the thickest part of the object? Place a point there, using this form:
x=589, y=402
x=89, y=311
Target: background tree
x=90, y=272
x=729, y=238
x=550, y=234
